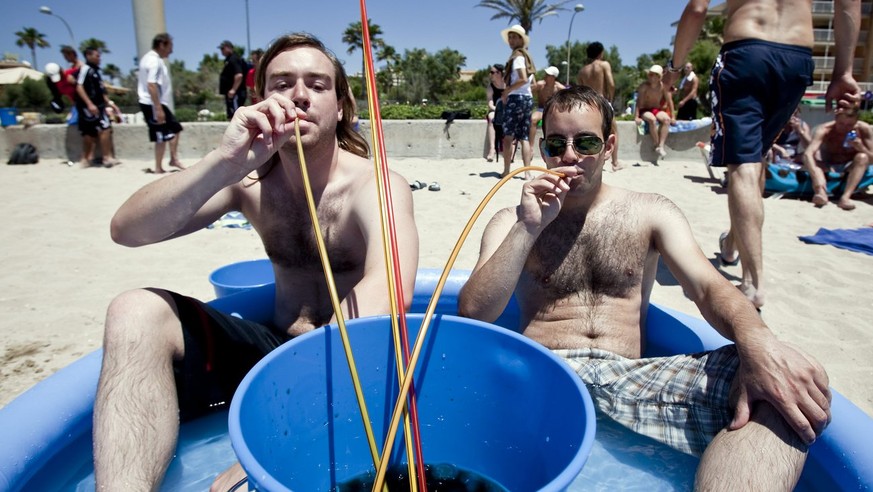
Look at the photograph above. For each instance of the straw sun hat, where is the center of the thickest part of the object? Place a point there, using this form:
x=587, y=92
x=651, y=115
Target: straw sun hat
x=518, y=30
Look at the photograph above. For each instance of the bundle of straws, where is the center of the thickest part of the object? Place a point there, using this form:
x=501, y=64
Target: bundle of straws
x=406, y=361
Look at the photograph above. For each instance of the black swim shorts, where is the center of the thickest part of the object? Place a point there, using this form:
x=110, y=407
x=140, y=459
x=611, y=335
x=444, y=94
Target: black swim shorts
x=219, y=351
x=756, y=86
x=90, y=125
x=160, y=133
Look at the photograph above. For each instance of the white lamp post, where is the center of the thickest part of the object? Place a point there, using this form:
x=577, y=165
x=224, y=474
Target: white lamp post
x=578, y=8
x=48, y=11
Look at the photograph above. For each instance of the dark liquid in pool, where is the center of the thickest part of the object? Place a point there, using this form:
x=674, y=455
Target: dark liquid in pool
x=440, y=478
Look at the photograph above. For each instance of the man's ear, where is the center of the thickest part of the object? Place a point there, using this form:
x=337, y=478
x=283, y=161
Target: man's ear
x=610, y=145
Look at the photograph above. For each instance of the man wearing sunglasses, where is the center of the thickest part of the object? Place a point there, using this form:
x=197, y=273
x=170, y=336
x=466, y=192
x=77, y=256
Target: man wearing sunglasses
x=581, y=257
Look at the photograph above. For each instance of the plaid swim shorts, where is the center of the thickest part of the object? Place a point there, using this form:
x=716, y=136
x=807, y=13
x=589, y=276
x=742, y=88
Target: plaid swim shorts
x=681, y=401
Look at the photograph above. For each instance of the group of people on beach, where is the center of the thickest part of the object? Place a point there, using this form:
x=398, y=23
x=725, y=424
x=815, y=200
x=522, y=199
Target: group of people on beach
x=579, y=255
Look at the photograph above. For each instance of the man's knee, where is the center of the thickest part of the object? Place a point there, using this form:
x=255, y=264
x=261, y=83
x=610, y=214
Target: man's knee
x=861, y=159
x=138, y=316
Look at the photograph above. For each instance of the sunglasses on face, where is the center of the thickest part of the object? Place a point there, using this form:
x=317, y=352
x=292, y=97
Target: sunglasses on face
x=582, y=145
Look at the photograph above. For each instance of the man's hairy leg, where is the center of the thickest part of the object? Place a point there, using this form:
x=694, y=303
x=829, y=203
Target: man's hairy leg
x=746, y=209
x=765, y=454
x=136, y=414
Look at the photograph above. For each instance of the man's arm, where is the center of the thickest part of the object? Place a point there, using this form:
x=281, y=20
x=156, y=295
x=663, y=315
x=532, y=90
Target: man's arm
x=809, y=152
x=160, y=117
x=187, y=201
x=687, y=32
x=843, y=88
x=506, y=243
x=370, y=296
x=237, y=79
x=794, y=383
x=609, y=83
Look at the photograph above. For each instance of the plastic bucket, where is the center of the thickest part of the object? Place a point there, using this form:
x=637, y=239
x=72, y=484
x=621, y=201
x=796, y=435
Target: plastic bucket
x=7, y=116
x=240, y=276
x=489, y=400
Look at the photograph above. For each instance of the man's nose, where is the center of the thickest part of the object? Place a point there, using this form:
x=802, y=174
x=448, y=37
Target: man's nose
x=300, y=95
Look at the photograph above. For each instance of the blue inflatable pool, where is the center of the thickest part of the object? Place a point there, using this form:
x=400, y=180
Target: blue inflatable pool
x=45, y=434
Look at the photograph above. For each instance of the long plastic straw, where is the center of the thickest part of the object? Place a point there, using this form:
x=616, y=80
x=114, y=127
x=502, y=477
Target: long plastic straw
x=381, y=163
x=425, y=324
x=334, y=299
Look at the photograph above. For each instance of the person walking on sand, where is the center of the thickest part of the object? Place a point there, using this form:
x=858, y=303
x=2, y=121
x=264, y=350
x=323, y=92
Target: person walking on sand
x=517, y=97
x=597, y=74
x=155, y=92
x=168, y=357
x=758, y=79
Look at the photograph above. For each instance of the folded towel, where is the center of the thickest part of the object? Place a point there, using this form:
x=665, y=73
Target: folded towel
x=860, y=240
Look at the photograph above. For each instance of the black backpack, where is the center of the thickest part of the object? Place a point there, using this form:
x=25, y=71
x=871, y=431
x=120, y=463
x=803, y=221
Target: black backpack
x=23, y=153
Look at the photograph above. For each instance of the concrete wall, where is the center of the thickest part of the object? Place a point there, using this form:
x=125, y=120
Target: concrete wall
x=403, y=138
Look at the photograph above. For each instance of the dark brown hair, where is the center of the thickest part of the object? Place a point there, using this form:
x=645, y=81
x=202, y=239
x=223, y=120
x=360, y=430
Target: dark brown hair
x=347, y=138
x=577, y=97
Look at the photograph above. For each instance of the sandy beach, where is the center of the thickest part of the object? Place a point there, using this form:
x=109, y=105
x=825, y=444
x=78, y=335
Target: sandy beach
x=61, y=269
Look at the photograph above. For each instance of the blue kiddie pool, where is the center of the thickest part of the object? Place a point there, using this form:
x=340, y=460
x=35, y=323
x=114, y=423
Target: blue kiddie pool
x=45, y=434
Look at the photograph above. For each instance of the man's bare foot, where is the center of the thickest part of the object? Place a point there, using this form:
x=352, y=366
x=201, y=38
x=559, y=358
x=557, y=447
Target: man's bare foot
x=820, y=199
x=84, y=164
x=753, y=295
x=661, y=152
x=846, y=205
x=617, y=166
x=111, y=162
x=177, y=164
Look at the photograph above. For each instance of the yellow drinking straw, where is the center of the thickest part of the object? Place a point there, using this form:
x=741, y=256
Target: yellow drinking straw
x=425, y=324
x=334, y=298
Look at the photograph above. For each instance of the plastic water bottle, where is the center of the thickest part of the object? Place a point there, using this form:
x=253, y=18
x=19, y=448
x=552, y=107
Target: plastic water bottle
x=849, y=137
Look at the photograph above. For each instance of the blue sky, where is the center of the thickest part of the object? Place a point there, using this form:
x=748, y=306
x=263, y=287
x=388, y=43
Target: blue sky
x=198, y=26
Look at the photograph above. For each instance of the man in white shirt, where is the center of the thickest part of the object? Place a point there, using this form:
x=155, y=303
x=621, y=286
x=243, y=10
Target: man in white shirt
x=155, y=92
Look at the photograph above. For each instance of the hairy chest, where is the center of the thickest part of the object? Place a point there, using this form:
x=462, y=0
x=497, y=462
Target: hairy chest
x=592, y=259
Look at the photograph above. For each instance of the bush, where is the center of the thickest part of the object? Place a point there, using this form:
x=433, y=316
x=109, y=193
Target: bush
x=28, y=95
x=398, y=111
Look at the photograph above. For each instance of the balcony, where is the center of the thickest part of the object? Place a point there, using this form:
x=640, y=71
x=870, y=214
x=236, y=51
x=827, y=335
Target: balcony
x=823, y=37
x=827, y=8
x=826, y=63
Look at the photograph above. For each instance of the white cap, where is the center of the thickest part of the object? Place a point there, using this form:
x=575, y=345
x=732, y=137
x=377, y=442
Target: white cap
x=658, y=69
x=553, y=71
x=53, y=70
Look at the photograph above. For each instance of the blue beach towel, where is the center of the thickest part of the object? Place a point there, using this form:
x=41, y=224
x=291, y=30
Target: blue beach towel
x=860, y=240
x=232, y=220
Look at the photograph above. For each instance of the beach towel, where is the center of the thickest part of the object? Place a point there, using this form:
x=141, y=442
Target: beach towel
x=860, y=240
x=231, y=220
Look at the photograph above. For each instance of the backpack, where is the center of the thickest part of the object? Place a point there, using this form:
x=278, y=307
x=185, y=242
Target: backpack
x=23, y=153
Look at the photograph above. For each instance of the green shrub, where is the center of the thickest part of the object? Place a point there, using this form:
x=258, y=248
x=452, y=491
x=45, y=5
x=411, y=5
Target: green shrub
x=186, y=114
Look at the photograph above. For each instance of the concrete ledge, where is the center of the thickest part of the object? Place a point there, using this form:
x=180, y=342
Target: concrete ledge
x=427, y=139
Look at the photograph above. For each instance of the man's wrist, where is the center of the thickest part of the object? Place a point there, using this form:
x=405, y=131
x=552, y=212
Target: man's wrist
x=671, y=68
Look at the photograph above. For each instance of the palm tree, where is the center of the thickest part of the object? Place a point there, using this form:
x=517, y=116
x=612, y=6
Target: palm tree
x=93, y=43
x=354, y=37
x=112, y=71
x=523, y=12
x=30, y=37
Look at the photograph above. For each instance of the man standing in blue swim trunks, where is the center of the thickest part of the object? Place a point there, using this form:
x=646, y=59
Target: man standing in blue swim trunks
x=758, y=79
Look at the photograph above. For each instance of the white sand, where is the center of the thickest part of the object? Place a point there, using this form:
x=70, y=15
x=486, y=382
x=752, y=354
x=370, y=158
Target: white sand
x=61, y=269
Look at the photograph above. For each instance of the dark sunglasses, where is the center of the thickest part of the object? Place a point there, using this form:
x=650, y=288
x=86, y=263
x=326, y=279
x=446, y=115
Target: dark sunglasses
x=582, y=145
x=494, y=71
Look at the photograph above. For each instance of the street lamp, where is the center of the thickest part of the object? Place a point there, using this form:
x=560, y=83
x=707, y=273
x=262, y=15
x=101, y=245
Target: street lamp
x=248, y=37
x=48, y=11
x=578, y=8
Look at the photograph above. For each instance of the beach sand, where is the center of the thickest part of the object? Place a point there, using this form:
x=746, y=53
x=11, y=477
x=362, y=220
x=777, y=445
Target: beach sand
x=61, y=269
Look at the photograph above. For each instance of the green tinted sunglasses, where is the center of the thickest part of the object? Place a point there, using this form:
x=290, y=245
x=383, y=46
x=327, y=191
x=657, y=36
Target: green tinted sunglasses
x=582, y=145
